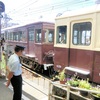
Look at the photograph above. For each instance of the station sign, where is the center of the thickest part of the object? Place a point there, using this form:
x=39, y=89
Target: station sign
x=97, y=1
x=2, y=7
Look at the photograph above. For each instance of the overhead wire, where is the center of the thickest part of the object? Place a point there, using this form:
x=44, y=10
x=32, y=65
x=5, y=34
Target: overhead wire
x=54, y=7
x=45, y=6
x=32, y=5
x=46, y=9
x=58, y=6
x=23, y=6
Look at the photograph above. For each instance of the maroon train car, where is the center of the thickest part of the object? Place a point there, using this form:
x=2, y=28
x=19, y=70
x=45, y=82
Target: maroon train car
x=77, y=43
x=38, y=38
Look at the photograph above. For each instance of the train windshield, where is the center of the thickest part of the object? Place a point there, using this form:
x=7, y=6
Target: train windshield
x=49, y=36
x=82, y=33
x=38, y=35
x=61, y=34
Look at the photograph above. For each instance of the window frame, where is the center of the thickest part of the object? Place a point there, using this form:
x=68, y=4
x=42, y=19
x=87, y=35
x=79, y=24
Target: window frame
x=47, y=36
x=57, y=35
x=79, y=38
x=30, y=34
x=37, y=39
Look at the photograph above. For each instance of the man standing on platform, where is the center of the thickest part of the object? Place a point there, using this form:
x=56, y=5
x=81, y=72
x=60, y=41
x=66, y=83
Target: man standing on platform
x=15, y=72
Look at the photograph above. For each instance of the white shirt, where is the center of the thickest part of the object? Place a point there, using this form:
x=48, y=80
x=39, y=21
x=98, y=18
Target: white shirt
x=14, y=64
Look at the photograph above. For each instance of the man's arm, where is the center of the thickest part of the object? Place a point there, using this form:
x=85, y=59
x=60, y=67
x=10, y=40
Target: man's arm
x=10, y=75
x=13, y=69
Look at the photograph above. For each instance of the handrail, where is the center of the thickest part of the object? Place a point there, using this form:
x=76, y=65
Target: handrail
x=67, y=88
x=44, y=87
x=34, y=73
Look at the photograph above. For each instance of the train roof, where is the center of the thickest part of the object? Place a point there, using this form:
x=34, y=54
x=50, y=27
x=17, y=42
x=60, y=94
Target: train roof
x=26, y=24
x=82, y=11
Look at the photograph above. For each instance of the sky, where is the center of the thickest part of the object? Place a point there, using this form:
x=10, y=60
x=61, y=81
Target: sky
x=17, y=9
x=23, y=11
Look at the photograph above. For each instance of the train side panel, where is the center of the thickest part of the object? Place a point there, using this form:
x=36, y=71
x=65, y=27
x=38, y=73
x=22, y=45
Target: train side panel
x=38, y=39
x=82, y=59
x=45, y=44
x=61, y=58
x=82, y=43
x=96, y=70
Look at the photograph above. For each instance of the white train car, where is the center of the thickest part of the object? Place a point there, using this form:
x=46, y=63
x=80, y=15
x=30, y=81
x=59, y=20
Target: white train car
x=77, y=43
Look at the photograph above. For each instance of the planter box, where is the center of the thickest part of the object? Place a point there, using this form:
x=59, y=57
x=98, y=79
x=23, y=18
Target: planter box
x=84, y=93
x=59, y=92
x=93, y=97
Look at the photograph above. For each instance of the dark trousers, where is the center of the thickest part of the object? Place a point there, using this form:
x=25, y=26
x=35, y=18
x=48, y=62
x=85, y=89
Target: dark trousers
x=16, y=82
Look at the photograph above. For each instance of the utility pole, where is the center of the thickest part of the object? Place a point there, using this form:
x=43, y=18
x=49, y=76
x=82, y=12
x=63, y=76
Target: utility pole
x=2, y=9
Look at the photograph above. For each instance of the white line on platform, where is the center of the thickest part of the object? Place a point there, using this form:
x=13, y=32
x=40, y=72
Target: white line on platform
x=23, y=96
x=46, y=98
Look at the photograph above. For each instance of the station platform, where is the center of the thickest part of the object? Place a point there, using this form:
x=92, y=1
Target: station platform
x=31, y=90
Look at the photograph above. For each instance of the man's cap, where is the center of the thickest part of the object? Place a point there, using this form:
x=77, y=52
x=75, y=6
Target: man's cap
x=21, y=47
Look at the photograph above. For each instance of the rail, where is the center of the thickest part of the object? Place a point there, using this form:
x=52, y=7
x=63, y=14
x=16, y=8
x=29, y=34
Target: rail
x=39, y=82
x=34, y=72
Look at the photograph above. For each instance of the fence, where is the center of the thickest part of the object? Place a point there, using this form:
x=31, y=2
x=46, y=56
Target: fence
x=65, y=92
x=41, y=82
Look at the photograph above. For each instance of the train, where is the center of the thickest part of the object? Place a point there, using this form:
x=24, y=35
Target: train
x=75, y=45
x=38, y=40
x=79, y=53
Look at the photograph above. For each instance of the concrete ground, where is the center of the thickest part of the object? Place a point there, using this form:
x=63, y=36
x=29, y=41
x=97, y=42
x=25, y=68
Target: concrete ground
x=31, y=91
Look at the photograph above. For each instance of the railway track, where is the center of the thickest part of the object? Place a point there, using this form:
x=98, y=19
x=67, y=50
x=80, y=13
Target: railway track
x=26, y=67
x=41, y=82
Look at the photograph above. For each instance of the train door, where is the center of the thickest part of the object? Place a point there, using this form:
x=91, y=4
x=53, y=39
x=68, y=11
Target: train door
x=31, y=41
x=80, y=53
x=61, y=46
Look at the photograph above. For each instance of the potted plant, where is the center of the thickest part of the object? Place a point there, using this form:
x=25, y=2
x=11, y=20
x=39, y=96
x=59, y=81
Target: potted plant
x=95, y=96
x=74, y=82
x=84, y=84
x=56, y=78
x=62, y=77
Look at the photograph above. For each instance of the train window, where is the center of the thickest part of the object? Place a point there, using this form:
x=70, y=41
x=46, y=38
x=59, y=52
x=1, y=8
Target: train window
x=61, y=34
x=31, y=35
x=16, y=37
x=49, y=36
x=24, y=36
x=5, y=35
x=11, y=36
x=20, y=35
x=82, y=33
x=8, y=36
x=38, y=35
